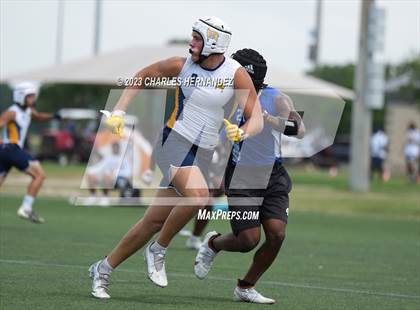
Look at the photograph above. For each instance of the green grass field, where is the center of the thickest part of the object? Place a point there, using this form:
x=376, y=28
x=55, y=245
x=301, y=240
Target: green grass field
x=342, y=251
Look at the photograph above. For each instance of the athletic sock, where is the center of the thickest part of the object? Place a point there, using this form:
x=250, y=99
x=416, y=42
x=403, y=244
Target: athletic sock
x=27, y=202
x=245, y=284
x=105, y=267
x=156, y=247
x=195, y=238
x=211, y=245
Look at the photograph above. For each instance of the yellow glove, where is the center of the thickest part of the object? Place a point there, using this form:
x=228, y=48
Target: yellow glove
x=115, y=121
x=233, y=132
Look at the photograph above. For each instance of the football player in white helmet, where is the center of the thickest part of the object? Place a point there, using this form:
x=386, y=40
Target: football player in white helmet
x=188, y=138
x=15, y=122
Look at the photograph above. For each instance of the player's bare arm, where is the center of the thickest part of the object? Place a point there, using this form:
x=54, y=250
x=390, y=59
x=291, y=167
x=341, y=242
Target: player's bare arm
x=251, y=107
x=6, y=117
x=41, y=116
x=170, y=67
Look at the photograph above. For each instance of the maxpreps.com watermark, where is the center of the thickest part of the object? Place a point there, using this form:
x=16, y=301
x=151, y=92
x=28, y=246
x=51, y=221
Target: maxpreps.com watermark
x=204, y=214
x=193, y=81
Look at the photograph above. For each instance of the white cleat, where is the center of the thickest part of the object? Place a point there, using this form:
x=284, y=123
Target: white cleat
x=30, y=216
x=155, y=262
x=103, y=201
x=193, y=243
x=205, y=257
x=250, y=295
x=90, y=201
x=100, y=282
x=185, y=232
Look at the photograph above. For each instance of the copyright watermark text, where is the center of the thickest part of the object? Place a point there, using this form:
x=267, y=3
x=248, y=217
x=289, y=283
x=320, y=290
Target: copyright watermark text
x=204, y=214
x=193, y=81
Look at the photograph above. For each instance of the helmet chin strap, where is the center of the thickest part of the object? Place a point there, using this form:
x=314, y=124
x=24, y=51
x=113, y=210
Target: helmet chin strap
x=200, y=59
x=24, y=106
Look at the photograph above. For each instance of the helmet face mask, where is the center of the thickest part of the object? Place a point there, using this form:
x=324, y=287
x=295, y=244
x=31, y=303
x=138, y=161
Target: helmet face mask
x=215, y=34
x=254, y=63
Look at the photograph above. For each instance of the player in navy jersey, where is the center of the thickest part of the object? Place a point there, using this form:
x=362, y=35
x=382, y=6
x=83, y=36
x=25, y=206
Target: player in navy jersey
x=255, y=171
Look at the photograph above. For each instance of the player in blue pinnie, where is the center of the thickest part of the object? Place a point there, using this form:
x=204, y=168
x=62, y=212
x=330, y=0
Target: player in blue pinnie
x=254, y=171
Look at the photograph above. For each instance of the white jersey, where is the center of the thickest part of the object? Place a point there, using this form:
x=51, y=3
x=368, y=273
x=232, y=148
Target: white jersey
x=15, y=131
x=412, y=146
x=199, y=109
x=378, y=144
x=111, y=165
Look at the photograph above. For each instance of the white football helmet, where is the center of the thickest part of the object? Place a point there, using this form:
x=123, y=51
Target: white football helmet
x=215, y=33
x=22, y=90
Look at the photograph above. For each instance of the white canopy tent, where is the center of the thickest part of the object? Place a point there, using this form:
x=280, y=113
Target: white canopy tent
x=108, y=67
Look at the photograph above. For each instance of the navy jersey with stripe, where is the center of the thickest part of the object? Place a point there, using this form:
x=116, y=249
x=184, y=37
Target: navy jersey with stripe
x=264, y=148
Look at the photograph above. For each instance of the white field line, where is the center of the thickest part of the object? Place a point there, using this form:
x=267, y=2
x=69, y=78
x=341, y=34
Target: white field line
x=183, y=275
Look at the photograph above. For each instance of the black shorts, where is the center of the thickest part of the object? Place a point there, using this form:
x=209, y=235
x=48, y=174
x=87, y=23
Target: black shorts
x=271, y=203
x=377, y=163
x=173, y=150
x=12, y=155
